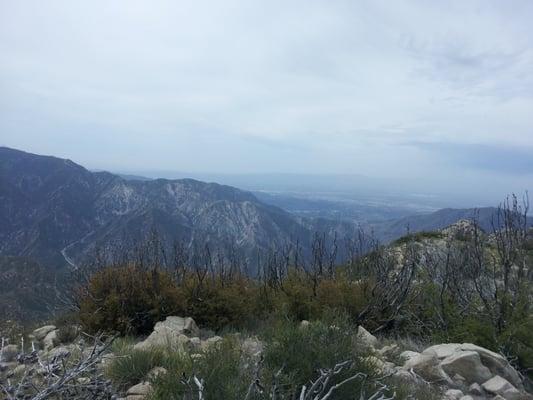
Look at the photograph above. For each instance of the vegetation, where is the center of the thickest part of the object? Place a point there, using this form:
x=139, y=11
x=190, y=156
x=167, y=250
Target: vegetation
x=292, y=358
x=477, y=289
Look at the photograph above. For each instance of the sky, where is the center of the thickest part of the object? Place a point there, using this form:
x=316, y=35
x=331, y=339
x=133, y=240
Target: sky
x=426, y=94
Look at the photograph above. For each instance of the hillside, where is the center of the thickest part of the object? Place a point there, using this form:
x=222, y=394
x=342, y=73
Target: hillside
x=56, y=211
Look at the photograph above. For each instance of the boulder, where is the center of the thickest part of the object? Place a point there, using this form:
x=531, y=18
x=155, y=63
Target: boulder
x=172, y=332
x=9, y=353
x=427, y=366
x=366, y=338
x=467, y=397
x=40, y=333
x=51, y=340
x=497, y=363
x=468, y=365
x=500, y=386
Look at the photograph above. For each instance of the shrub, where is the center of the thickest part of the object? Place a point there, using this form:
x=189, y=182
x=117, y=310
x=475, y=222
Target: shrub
x=128, y=300
x=217, y=303
x=130, y=366
x=224, y=372
x=302, y=351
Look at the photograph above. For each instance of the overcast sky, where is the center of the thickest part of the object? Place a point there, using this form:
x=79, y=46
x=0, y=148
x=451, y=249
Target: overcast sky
x=435, y=91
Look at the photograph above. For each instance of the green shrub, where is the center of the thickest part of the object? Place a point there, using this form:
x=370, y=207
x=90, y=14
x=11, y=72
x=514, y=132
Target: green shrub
x=128, y=300
x=130, y=366
x=302, y=351
x=225, y=374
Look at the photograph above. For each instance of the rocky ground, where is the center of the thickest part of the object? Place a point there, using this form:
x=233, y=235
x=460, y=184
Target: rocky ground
x=65, y=361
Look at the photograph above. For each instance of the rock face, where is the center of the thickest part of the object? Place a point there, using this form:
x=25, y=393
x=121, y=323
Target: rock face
x=173, y=332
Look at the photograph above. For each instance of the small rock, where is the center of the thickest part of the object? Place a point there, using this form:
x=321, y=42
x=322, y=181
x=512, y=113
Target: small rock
x=304, y=324
x=366, y=338
x=141, y=389
x=408, y=355
x=475, y=389
x=41, y=333
x=468, y=365
x=500, y=386
x=195, y=344
x=212, y=341
x=467, y=397
x=453, y=394
x=156, y=372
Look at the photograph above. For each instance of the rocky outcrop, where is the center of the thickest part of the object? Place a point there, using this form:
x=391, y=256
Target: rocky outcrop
x=469, y=371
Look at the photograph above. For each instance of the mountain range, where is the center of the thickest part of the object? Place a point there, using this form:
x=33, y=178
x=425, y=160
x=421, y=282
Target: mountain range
x=57, y=212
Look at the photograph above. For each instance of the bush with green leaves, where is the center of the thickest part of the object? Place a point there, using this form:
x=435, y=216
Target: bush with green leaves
x=128, y=300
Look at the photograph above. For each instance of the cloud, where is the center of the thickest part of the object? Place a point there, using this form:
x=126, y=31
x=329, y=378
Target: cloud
x=500, y=159
x=300, y=86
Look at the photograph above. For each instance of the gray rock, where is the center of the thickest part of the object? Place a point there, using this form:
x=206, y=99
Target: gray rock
x=51, y=340
x=212, y=341
x=475, y=389
x=40, y=333
x=408, y=355
x=497, y=363
x=427, y=366
x=141, y=389
x=468, y=365
x=453, y=394
x=170, y=333
x=444, y=350
x=156, y=372
x=500, y=386
x=304, y=324
x=366, y=338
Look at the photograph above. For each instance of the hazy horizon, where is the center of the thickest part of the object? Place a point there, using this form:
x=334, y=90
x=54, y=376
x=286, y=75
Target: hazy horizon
x=421, y=97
